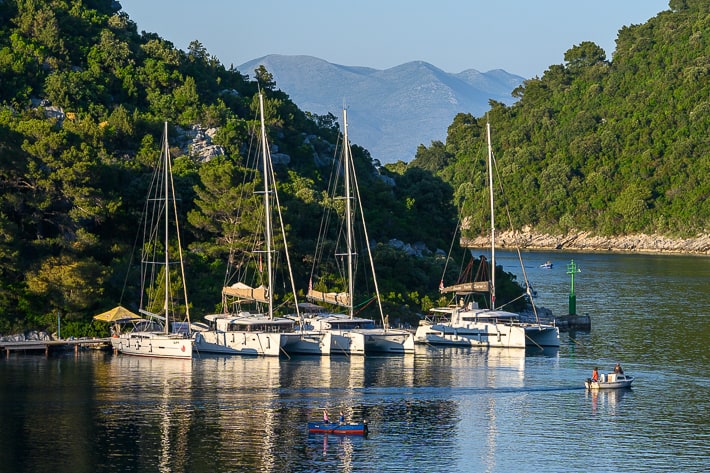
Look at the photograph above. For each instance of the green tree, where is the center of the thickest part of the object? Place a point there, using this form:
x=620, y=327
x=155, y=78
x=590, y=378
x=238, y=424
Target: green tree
x=264, y=78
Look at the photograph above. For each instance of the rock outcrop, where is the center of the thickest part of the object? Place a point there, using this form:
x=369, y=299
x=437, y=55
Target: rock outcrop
x=586, y=241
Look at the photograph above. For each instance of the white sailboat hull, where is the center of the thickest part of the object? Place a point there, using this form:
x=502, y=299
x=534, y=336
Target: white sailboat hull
x=238, y=343
x=542, y=336
x=476, y=327
x=355, y=336
x=153, y=344
x=484, y=334
x=307, y=343
x=371, y=341
x=393, y=341
x=346, y=342
x=476, y=334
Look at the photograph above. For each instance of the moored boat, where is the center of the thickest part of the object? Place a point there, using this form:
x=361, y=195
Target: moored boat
x=337, y=428
x=165, y=330
x=248, y=324
x=463, y=323
x=344, y=333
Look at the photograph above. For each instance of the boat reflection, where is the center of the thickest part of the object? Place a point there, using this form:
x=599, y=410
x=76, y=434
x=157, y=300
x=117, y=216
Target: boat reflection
x=606, y=400
x=335, y=384
x=148, y=400
x=236, y=410
x=249, y=402
x=471, y=367
x=324, y=447
x=546, y=352
x=476, y=378
x=239, y=399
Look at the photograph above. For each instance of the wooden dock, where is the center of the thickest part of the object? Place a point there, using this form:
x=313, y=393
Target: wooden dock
x=54, y=345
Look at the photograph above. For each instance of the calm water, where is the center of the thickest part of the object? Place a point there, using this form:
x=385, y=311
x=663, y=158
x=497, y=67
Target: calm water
x=440, y=410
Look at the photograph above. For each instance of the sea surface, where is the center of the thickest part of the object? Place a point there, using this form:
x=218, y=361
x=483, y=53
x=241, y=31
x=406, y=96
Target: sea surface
x=440, y=410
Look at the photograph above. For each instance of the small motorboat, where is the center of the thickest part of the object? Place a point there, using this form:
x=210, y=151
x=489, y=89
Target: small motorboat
x=337, y=428
x=546, y=265
x=610, y=381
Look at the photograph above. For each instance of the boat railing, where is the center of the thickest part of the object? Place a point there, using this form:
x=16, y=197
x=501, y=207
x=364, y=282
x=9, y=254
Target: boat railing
x=435, y=318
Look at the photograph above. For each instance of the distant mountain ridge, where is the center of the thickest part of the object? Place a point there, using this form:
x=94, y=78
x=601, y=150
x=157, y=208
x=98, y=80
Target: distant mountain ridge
x=391, y=111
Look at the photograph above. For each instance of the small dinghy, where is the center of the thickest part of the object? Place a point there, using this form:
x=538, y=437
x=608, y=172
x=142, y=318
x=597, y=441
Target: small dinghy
x=610, y=381
x=337, y=428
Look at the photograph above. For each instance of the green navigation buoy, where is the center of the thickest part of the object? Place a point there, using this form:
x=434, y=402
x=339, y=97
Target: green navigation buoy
x=571, y=269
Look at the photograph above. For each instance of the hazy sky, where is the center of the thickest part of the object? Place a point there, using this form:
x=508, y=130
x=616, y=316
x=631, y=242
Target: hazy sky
x=523, y=37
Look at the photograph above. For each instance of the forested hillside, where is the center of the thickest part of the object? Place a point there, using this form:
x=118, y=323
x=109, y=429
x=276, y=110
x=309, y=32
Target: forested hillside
x=83, y=97
x=614, y=147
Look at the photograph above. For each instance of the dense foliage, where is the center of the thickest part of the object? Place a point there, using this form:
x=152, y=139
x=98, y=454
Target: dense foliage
x=83, y=97
x=612, y=147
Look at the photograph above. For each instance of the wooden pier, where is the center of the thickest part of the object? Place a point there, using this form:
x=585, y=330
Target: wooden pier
x=54, y=345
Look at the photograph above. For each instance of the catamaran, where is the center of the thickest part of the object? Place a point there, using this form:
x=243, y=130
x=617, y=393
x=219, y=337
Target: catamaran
x=344, y=333
x=237, y=331
x=465, y=324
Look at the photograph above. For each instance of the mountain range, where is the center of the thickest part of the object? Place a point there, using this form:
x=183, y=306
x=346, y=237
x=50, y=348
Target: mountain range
x=392, y=111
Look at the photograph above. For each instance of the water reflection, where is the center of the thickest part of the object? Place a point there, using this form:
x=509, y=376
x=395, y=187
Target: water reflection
x=638, y=303
x=239, y=416
x=143, y=405
x=606, y=400
x=454, y=410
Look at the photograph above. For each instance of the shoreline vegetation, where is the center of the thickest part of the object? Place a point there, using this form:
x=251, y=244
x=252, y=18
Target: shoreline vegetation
x=586, y=241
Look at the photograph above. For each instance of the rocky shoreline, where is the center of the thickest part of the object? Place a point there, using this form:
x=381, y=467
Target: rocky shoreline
x=585, y=241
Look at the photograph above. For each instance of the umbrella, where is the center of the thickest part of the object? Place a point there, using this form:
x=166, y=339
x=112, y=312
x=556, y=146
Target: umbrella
x=117, y=314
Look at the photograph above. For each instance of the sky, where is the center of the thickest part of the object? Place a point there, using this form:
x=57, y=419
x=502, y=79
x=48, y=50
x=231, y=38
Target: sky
x=523, y=37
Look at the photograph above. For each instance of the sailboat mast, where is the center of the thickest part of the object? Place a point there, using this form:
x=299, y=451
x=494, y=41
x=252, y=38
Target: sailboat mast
x=166, y=164
x=348, y=212
x=493, y=223
x=267, y=208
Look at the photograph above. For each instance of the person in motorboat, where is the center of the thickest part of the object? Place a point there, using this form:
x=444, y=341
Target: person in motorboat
x=341, y=419
x=325, y=416
x=595, y=374
x=618, y=370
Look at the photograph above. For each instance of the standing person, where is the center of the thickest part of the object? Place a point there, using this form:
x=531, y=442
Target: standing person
x=618, y=370
x=325, y=416
x=595, y=374
x=342, y=418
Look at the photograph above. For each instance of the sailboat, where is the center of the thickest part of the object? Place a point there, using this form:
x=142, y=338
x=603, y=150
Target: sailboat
x=346, y=333
x=466, y=324
x=159, y=333
x=252, y=332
